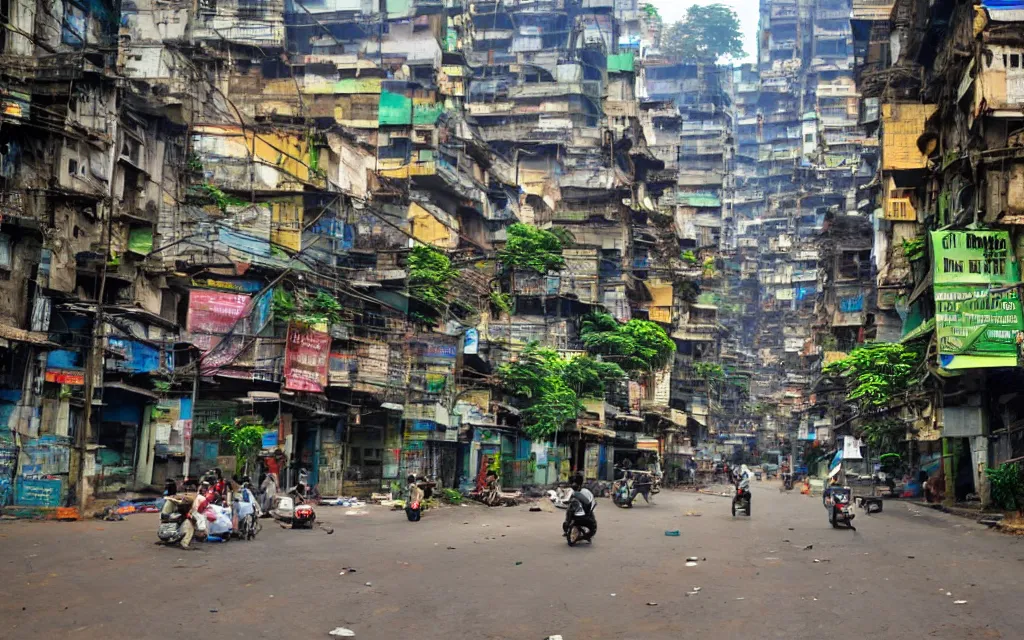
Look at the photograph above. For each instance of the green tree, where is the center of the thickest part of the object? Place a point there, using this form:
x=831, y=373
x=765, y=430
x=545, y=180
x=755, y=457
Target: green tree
x=244, y=441
x=430, y=277
x=637, y=346
x=528, y=247
x=551, y=386
x=876, y=372
x=706, y=34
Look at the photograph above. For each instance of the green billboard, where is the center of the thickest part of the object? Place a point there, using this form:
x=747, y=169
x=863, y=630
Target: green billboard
x=977, y=310
x=977, y=326
x=973, y=257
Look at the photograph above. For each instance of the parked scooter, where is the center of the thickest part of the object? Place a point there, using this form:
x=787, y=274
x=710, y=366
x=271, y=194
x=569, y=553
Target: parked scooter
x=179, y=515
x=248, y=513
x=838, y=502
x=293, y=509
x=741, y=501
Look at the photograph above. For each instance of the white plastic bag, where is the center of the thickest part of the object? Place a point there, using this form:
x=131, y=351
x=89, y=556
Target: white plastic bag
x=222, y=523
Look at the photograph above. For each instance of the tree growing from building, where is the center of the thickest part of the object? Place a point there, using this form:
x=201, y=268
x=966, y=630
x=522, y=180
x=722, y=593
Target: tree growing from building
x=551, y=386
x=638, y=346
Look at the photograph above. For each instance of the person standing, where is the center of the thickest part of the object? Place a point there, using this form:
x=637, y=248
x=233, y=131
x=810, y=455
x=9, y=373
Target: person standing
x=414, y=499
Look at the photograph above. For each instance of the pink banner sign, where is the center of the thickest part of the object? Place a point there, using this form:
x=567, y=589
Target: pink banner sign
x=306, y=360
x=214, y=311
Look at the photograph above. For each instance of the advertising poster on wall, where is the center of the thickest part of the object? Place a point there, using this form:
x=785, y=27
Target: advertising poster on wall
x=977, y=310
x=306, y=359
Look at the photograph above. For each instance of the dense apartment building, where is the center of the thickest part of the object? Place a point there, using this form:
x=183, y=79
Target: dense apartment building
x=802, y=250
x=941, y=101
x=309, y=218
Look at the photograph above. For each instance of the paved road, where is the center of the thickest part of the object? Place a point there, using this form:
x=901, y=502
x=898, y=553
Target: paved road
x=757, y=580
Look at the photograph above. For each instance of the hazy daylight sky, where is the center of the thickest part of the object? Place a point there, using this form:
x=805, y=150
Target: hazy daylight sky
x=672, y=10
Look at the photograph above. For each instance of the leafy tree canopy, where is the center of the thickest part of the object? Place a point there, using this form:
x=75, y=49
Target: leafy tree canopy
x=876, y=372
x=531, y=248
x=705, y=34
x=430, y=276
x=552, y=386
x=637, y=346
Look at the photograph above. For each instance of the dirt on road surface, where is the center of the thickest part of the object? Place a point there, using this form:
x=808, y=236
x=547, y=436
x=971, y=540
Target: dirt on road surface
x=472, y=572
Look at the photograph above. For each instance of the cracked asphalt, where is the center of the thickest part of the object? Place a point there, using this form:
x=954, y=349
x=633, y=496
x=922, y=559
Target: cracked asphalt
x=473, y=572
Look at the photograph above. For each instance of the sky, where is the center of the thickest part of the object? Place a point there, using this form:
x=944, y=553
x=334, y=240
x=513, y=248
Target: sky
x=672, y=10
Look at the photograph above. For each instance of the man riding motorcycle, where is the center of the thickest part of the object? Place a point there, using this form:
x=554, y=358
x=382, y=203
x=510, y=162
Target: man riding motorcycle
x=744, y=477
x=742, y=481
x=580, y=510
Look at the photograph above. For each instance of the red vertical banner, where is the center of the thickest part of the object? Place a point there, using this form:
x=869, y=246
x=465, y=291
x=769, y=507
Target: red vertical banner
x=306, y=360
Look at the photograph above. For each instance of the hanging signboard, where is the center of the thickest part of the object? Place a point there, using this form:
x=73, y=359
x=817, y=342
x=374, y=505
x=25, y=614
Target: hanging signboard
x=851, y=448
x=214, y=311
x=306, y=360
x=973, y=257
x=979, y=323
x=977, y=315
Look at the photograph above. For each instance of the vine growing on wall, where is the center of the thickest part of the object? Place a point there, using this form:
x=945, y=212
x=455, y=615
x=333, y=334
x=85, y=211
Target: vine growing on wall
x=638, y=346
x=502, y=302
x=913, y=249
x=708, y=371
x=318, y=308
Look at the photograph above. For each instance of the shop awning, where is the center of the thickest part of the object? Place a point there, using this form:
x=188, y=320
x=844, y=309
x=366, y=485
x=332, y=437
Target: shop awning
x=920, y=331
x=120, y=386
x=601, y=432
x=647, y=444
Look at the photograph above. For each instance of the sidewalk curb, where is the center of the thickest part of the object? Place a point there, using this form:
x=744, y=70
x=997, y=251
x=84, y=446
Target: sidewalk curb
x=990, y=519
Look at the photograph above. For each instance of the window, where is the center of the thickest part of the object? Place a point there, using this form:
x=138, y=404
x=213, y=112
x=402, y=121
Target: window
x=808, y=137
x=1015, y=61
x=6, y=259
x=73, y=29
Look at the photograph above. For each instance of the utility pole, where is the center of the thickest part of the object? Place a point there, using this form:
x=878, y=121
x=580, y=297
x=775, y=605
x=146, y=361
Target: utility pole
x=96, y=348
x=94, y=357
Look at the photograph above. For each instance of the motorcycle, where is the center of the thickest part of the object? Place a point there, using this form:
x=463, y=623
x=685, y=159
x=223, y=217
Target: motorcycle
x=573, y=531
x=787, y=481
x=292, y=509
x=622, y=492
x=840, y=509
x=176, y=514
x=741, y=501
x=248, y=512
